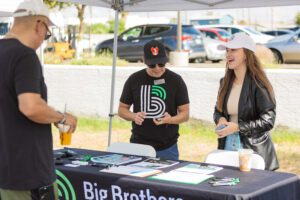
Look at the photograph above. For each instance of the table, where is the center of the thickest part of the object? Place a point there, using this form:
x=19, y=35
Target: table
x=86, y=182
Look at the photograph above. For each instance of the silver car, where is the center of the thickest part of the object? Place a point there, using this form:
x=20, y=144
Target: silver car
x=286, y=48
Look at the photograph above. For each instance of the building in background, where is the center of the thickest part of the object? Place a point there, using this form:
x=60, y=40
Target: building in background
x=211, y=20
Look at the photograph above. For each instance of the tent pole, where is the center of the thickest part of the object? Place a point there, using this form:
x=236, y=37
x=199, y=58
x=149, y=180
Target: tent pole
x=113, y=75
x=179, y=31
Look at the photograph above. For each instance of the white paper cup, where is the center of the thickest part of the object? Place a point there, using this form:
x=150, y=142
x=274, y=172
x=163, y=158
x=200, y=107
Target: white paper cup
x=245, y=159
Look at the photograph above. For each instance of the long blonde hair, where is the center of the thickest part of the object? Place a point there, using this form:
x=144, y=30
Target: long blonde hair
x=254, y=68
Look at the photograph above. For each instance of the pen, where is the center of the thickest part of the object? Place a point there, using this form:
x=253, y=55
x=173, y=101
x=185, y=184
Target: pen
x=223, y=184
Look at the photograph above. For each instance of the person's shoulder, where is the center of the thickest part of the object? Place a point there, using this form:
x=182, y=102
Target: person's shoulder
x=173, y=74
x=258, y=87
x=137, y=74
x=256, y=84
x=17, y=48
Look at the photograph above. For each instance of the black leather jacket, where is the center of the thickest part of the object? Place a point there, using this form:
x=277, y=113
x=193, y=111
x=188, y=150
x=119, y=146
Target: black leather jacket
x=256, y=117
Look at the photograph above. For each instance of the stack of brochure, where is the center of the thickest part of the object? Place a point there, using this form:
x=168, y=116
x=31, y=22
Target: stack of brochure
x=190, y=174
x=131, y=171
x=115, y=159
x=155, y=163
x=182, y=177
x=199, y=168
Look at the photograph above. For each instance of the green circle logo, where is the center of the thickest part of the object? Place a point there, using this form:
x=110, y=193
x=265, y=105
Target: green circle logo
x=65, y=188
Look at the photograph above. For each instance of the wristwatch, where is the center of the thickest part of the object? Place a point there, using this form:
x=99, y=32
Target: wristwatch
x=63, y=120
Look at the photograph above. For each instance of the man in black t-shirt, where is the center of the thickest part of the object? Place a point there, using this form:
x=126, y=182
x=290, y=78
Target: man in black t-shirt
x=160, y=102
x=26, y=157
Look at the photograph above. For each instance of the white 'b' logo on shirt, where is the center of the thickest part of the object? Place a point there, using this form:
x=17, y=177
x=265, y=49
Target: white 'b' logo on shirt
x=152, y=100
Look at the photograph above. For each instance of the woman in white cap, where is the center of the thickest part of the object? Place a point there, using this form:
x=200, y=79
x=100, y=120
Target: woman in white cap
x=245, y=108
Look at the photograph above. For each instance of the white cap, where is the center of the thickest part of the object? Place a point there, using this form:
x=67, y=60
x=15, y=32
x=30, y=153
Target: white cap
x=32, y=8
x=239, y=40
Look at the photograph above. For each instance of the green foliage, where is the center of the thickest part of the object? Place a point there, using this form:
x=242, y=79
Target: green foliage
x=54, y=4
x=101, y=28
x=96, y=28
x=298, y=19
x=173, y=21
x=282, y=134
x=111, y=26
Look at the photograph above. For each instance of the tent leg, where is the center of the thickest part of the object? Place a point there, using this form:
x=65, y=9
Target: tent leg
x=115, y=49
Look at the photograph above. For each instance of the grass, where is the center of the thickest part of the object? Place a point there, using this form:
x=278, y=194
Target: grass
x=285, y=135
x=95, y=125
x=197, y=139
x=86, y=59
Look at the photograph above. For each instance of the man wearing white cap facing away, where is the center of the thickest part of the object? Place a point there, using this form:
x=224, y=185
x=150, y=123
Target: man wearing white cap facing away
x=26, y=157
x=245, y=108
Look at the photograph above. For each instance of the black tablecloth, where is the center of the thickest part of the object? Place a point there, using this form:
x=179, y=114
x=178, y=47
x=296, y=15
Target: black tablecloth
x=86, y=182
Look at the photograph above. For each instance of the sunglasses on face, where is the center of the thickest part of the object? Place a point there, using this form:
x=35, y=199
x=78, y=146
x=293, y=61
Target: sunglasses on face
x=159, y=65
x=48, y=33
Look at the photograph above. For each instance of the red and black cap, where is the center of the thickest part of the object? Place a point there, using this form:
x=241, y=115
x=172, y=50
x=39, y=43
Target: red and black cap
x=155, y=53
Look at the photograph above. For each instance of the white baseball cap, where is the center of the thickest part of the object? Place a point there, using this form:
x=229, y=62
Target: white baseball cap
x=239, y=40
x=32, y=8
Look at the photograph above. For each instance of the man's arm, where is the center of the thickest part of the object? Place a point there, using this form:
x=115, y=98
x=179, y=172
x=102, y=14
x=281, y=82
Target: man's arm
x=182, y=116
x=37, y=110
x=126, y=114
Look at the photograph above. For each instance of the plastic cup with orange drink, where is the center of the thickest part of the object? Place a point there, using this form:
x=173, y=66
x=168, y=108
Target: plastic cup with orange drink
x=64, y=134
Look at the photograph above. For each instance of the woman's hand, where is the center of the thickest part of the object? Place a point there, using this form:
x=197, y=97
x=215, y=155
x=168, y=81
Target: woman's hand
x=230, y=128
x=222, y=120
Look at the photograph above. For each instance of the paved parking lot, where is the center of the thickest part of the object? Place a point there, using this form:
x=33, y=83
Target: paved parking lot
x=208, y=64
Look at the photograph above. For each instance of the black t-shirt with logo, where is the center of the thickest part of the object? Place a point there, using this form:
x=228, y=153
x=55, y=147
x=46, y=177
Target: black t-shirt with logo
x=26, y=158
x=155, y=96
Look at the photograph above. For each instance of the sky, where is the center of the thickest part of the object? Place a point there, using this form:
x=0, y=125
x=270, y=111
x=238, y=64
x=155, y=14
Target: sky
x=277, y=16
x=266, y=16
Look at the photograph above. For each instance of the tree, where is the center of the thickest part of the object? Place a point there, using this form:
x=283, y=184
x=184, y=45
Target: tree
x=54, y=4
x=80, y=12
x=298, y=19
x=80, y=15
x=122, y=22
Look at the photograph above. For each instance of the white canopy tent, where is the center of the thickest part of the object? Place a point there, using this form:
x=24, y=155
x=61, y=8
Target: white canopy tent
x=176, y=5
x=168, y=5
x=5, y=14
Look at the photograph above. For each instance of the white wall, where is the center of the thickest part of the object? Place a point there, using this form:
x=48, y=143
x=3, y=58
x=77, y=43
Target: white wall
x=86, y=90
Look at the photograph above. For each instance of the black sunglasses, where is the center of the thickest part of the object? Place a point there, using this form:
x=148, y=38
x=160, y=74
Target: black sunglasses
x=48, y=33
x=153, y=66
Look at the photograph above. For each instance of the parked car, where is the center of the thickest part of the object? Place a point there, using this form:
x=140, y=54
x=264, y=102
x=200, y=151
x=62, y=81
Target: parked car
x=212, y=52
x=278, y=32
x=286, y=48
x=4, y=27
x=216, y=33
x=131, y=41
x=296, y=28
x=257, y=36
